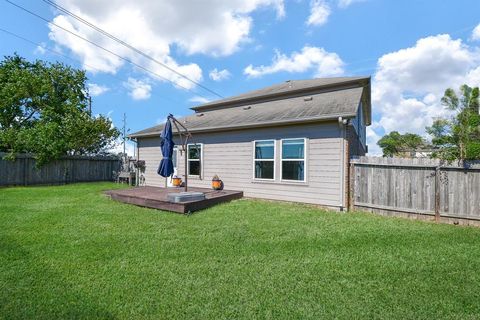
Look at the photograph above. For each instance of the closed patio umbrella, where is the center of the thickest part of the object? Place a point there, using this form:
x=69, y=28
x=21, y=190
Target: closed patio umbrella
x=165, y=169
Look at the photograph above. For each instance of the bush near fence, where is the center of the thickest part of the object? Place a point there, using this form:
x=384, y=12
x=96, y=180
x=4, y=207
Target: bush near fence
x=69, y=169
x=426, y=187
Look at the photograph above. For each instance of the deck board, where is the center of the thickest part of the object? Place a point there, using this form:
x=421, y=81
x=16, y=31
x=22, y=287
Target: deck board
x=156, y=198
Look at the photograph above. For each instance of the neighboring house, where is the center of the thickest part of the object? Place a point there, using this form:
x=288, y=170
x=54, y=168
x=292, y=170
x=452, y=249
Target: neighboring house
x=291, y=141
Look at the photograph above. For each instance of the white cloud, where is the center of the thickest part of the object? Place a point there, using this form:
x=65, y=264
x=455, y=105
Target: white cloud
x=322, y=62
x=118, y=147
x=476, y=33
x=41, y=49
x=372, y=135
x=217, y=75
x=209, y=27
x=198, y=99
x=409, y=83
x=96, y=89
x=319, y=12
x=346, y=3
x=139, y=90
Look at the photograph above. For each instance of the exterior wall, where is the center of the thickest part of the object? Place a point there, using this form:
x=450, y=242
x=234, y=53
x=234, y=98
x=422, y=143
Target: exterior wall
x=230, y=155
x=356, y=148
x=358, y=124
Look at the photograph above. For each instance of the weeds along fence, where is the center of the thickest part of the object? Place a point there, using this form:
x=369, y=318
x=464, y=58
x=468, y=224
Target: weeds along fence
x=70, y=169
x=420, y=187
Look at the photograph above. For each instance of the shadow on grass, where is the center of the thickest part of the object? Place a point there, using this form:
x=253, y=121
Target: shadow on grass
x=44, y=293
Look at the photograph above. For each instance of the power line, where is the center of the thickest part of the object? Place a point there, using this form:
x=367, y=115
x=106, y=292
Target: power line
x=109, y=35
x=67, y=57
x=103, y=48
x=50, y=50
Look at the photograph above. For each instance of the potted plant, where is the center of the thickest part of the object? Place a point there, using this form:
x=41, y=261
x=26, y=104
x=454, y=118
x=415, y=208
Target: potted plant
x=217, y=184
x=176, y=181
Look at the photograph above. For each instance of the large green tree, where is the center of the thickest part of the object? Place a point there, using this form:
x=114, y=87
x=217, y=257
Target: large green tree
x=458, y=137
x=396, y=144
x=44, y=111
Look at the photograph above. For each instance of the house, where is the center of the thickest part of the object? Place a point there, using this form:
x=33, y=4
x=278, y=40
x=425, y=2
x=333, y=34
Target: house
x=291, y=141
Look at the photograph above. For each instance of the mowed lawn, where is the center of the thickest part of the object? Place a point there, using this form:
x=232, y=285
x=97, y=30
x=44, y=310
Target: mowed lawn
x=70, y=252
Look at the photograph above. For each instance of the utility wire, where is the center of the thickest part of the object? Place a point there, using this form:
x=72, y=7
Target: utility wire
x=101, y=47
x=50, y=50
x=67, y=57
x=109, y=35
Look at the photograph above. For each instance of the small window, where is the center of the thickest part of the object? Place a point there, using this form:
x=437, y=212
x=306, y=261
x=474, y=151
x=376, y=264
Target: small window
x=264, y=162
x=293, y=159
x=194, y=155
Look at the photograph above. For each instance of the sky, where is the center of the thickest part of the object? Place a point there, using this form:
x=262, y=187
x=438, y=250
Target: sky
x=412, y=49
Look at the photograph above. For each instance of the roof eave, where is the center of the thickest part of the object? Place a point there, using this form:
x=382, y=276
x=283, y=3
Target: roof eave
x=252, y=126
x=368, y=98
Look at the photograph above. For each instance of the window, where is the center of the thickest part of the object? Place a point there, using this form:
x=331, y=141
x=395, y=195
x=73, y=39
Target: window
x=264, y=161
x=293, y=159
x=194, y=156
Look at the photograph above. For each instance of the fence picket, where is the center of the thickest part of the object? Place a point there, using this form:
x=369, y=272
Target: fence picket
x=408, y=186
x=22, y=170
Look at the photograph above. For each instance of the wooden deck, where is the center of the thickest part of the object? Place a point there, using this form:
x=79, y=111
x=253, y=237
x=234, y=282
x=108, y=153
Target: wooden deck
x=156, y=198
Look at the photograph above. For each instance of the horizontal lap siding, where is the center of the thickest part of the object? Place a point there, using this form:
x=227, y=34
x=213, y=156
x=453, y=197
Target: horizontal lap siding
x=230, y=156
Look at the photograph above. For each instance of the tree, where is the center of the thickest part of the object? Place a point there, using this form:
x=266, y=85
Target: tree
x=395, y=144
x=458, y=137
x=44, y=111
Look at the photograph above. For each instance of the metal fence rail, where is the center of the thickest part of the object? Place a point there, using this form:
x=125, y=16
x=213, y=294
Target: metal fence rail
x=416, y=186
x=22, y=171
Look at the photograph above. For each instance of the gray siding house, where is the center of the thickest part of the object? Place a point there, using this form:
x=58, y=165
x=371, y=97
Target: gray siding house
x=291, y=141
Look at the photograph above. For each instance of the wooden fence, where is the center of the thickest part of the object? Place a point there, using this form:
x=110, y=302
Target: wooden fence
x=422, y=187
x=23, y=171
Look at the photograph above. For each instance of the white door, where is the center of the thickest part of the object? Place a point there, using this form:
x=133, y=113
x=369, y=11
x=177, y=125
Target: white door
x=174, y=160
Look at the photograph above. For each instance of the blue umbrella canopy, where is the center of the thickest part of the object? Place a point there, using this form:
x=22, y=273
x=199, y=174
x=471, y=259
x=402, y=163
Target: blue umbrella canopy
x=165, y=169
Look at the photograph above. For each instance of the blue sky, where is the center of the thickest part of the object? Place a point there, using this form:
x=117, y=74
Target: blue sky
x=412, y=49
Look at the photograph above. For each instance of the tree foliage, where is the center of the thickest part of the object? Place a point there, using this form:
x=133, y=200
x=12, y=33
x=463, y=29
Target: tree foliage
x=395, y=144
x=44, y=111
x=458, y=137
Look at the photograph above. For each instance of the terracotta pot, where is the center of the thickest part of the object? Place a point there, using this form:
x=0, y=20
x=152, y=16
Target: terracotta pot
x=217, y=184
x=177, y=182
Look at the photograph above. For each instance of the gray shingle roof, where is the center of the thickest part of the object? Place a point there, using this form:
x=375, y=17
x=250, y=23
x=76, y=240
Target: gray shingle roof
x=285, y=88
x=325, y=105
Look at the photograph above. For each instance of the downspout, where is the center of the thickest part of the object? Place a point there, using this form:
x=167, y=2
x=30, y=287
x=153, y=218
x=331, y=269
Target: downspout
x=342, y=123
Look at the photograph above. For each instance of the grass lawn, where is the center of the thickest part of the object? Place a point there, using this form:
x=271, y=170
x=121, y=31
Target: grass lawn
x=70, y=252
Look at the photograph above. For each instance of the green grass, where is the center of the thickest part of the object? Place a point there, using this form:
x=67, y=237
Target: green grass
x=70, y=252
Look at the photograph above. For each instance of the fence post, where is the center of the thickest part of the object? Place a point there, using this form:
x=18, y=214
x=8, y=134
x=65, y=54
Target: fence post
x=351, y=187
x=25, y=171
x=437, y=193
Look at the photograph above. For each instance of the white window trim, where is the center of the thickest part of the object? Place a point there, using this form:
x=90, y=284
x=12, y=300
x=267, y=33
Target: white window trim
x=200, y=160
x=175, y=150
x=273, y=160
x=305, y=163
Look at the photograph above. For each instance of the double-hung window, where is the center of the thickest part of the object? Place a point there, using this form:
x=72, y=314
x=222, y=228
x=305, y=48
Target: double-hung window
x=293, y=159
x=194, y=156
x=264, y=161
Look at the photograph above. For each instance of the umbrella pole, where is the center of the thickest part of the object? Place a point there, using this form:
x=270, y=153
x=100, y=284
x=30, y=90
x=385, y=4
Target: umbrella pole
x=186, y=169
x=184, y=144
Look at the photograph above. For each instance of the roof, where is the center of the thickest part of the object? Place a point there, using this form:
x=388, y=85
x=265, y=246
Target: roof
x=288, y=87
x=326, y=103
